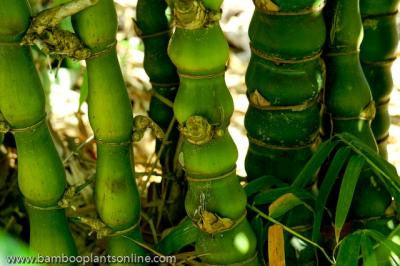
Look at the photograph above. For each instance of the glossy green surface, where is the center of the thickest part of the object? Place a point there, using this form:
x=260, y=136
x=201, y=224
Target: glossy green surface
x=14, y=19
x=117, y=198
x=345, y=26
x=229, y=247
x=288, y=37
x=373, y=7
x=110, y=116
x=49, y=233
x=380, y=38
x=200, y=56
x=97, y=25
x=379, y=77
x=286, y=164
x=214, y=158
x=285, y=84
x=110, y=112
x=208, y=97
x=41, y=176
x=284, y=128
x=209, y=57
x=347, y=92
x=214, y=195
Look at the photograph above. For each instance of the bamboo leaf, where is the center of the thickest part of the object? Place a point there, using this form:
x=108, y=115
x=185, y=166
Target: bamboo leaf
x=84, y=90
x=327, y=184
x=346, y=192
x=384, y=241
x=349, y=250
x=284, y=204
x=270, y=196
x=379, y=165
x=184, y=234
x=367, y=251
x=276, y=246
x=262, y=183
x=260, y=229
x=312, y=166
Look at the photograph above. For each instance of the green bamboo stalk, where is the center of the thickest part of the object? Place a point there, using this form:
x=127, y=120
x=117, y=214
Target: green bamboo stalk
x=41, y=175
x=348, y=98
x=284, y=80
x=153, y=28
x=215, y=201
x=377, y=55
x=116, y=194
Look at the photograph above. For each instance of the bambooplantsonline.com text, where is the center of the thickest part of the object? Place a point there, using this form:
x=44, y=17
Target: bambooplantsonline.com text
x=83, y=260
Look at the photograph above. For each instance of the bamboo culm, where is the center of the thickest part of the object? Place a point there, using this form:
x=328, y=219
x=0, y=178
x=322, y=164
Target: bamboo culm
x=153, y=28
x=110, y=115
x=348, y=99
x=41, y=175
x=215, y=200
x=377, y=56
x=285, y=79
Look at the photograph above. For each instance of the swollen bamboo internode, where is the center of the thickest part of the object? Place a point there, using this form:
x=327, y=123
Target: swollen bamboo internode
x=110, y=115
x=215, y=201
x=377, y=56
x=284, y=80
x=41, y=176
x=153, y=27
x=348, y=98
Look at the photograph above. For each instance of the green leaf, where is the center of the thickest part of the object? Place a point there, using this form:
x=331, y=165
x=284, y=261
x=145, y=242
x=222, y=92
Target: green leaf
x=312, y=166
x=184, y=234
x=367, y=251
x=386, y=171
x=284, y=204
x=346, y=192
x=260, y=230
x=349, y=250
x=84, y=90
x=270, y=196
x=262, y=183
x=384, y=241
x=334, y=169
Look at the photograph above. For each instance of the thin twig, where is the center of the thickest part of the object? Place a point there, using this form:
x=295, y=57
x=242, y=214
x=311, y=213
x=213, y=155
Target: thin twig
x=75, y=152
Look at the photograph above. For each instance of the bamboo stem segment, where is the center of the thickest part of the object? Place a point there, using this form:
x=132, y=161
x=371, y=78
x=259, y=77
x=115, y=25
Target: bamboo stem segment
x=110, y=115
x=377, y=55
x=41, y=175
x=215, y=201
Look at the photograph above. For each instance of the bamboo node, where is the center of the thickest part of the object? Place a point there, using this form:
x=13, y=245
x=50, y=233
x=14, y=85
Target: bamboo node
x=206, y=76
x=270, y=8
x=258, y=101
x=212, y=178
x=102, y=230
x=52, y=40
x=30, y=128
x=197, y=130
x=192, y=14
x=141, y=124
x=312, y=144
x=278, y=60
x=143, y=36
x=48, y=208
x=368, y=113
x=212, y=223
